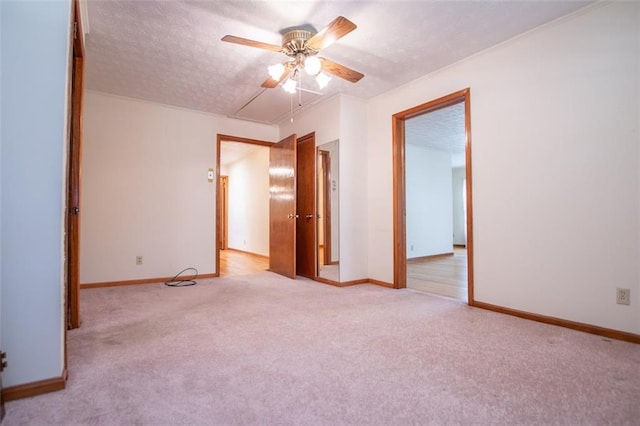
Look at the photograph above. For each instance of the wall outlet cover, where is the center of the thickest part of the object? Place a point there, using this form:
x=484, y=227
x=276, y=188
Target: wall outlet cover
x=623, y=296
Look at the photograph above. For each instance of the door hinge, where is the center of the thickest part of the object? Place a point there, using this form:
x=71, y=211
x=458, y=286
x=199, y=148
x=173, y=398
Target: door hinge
x=75, y=30
x=3, y=361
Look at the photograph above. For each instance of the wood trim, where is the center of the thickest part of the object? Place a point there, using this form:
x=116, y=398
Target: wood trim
x=430, y=257
x=399, y=204
x=399, y=183
x=223, y=199
x=229, y=138
x=587, y=328
x=328, y=281
x=343, y=283
x=136, y=282
x=354, y=282
x=73, y=194
x=219, y=139
x=35, y=388
x=469, y=180
x=380, y=283
x=78, y=40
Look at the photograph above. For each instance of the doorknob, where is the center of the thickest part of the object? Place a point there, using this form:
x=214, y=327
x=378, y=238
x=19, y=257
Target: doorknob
x=309, y=216
x=293, y=216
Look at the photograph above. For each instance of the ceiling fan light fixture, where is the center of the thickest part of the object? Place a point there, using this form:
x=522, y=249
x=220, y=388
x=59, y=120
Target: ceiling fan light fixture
x=289, y=86
x=322, y=79
x=312, y=65
x=276, y=71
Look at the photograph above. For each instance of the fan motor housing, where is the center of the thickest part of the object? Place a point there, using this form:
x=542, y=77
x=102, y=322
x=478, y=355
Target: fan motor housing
x=294, y=42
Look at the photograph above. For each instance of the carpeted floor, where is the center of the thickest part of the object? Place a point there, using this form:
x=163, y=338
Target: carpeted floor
x=261, y=349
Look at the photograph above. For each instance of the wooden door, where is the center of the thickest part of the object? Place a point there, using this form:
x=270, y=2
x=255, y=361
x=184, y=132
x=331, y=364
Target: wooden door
x=74, y=177
x=306, y=207
x=282, y=207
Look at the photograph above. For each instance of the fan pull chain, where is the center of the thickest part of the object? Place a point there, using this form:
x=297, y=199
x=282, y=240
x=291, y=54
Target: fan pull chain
x=291, y=98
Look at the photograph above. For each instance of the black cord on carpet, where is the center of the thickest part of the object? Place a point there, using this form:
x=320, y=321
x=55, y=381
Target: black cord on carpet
x=175, y=282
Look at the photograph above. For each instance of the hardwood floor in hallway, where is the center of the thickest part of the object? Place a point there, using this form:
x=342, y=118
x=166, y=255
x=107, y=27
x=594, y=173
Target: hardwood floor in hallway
x=235, y=262
x=444, y=276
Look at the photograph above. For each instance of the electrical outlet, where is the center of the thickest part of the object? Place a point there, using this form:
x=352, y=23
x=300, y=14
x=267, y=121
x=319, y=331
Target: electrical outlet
x=623, y=296
x=139, y=260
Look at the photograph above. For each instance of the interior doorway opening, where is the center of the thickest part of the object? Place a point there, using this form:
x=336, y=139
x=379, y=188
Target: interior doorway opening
x=242, y=209
x=433, y=234
x=435, y=205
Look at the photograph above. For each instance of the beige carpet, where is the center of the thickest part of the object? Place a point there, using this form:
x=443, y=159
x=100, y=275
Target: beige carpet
x=262, y=349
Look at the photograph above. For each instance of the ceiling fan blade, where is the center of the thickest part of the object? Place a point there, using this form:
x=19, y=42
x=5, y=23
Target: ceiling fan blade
x=270, y=83
x=338, y=28
x=341, y=71
x=252, y=43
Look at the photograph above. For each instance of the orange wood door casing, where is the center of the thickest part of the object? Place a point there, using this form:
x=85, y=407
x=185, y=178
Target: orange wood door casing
x=306, y=207
x=282, y=207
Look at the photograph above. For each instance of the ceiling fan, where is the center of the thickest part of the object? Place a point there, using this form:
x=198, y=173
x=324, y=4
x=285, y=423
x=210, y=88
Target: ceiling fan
x=303, y=47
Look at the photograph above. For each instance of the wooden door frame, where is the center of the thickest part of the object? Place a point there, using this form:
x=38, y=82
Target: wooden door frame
x=219, y=139
x=223, y=200
x=74, y=176
x=399, y=184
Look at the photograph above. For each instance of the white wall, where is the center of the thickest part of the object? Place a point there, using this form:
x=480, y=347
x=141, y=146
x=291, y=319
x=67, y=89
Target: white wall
x=353, y=184
x=429, y=201
x=458, y=175
x=35, y=60
x=145, y=190
x=555, y=135
x=249, y=203
x=323, y=118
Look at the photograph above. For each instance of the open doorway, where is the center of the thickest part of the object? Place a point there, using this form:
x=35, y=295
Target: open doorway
x=434, y=174
x=433, y=248
x=242, y=210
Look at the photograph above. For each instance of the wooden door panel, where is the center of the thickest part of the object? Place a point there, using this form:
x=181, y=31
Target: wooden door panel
x=282, y=207
x=306, y=207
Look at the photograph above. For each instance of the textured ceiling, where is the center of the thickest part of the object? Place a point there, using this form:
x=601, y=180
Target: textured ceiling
x=170, y=51
x=442, y=129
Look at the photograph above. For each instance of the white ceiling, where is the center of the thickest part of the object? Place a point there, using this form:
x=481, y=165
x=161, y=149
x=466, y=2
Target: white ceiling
x=442, y=129
x=170, y=51
x=230, y=152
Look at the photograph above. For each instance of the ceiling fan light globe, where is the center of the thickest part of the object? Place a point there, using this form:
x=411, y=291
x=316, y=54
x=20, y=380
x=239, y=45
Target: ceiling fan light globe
x=322, y=79
x=312, y=65
x=276, y=71
x=289, y=86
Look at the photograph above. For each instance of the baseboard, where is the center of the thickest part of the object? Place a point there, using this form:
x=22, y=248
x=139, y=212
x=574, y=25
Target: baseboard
x=136, y=282
x=430, y=257
x=380, y=283
x=587, y=328
x=353, y=282
x=35, y=388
